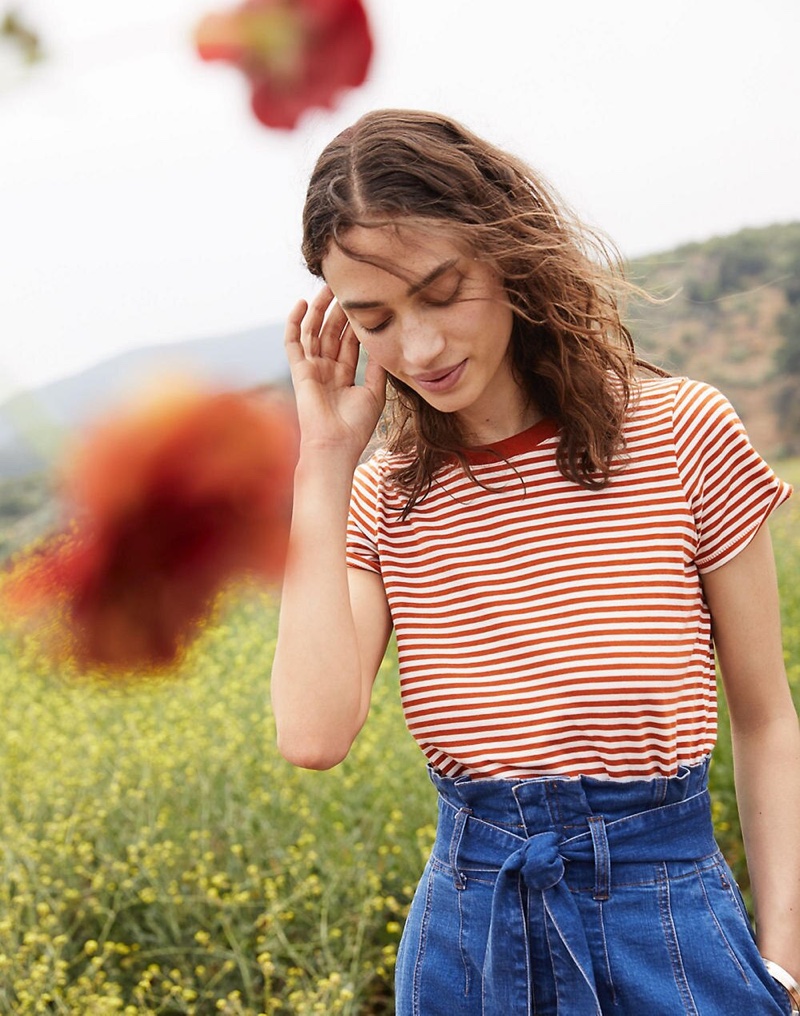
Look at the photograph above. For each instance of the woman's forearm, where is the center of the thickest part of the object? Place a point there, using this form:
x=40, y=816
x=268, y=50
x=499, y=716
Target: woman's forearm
x=317, y=687
x=767, y=766
x=743, y=600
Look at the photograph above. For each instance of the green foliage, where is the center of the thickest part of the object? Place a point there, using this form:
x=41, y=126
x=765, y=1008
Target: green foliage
x=736, y=263
x=26, y=510
x=788, y=356
x=21, y=496
x=727, y=312
x=22, y=36
x=159, y=857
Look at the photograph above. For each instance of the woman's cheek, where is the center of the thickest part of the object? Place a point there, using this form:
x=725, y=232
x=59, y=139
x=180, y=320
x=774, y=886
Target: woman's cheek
x=379, y=352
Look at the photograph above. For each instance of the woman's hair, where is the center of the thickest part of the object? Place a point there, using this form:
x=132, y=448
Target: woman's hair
x=571, y=352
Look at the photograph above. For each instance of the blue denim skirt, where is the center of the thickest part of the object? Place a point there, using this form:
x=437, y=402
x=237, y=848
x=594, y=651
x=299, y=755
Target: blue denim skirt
x=580, y=897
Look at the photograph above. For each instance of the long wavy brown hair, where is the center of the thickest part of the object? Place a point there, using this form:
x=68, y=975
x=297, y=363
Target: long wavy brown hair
x=571, y=352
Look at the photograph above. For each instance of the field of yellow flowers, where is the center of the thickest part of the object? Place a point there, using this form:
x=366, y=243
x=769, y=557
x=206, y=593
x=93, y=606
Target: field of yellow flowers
x=158, y=857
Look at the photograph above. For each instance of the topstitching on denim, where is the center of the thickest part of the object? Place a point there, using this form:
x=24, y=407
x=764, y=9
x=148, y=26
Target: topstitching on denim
x=550, y=863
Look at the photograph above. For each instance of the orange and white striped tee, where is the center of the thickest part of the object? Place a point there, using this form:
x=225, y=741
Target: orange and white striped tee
x=544, y=629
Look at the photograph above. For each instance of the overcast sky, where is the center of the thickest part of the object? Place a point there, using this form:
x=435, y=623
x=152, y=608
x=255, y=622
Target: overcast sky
x=140, y=201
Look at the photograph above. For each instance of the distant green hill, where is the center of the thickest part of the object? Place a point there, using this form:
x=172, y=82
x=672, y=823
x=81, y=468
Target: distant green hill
x=33, y=423
x=728, y=313
x=732, y=317
x=27, y=510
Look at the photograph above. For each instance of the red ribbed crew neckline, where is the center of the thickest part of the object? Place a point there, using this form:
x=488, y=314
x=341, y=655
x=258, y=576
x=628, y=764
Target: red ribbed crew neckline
x=525, y=441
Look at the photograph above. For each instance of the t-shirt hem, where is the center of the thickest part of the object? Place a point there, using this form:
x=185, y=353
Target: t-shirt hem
x=732, y=549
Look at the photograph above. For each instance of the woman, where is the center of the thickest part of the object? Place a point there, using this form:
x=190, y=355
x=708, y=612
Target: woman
x=552, y=538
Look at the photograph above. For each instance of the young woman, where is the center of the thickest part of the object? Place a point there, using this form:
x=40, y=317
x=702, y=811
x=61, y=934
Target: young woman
x=553, y=538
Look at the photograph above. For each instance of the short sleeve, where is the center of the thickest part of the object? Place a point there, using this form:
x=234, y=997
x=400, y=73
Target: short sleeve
x=731, y=490
x=362, y=523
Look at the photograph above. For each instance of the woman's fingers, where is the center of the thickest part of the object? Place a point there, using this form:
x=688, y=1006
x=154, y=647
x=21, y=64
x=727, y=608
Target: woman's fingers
x=311, y=327
x=323, y=327
x=349, y=348
x=291, y=334
x=332, y=331
x=375, y=379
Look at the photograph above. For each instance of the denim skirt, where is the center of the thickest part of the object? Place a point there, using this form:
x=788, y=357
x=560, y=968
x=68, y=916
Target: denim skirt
x=580, y=897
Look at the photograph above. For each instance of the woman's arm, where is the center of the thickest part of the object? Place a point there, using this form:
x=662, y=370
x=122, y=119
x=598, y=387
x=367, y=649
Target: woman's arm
x=333, y=630
x=334, y=623
x=743, y=600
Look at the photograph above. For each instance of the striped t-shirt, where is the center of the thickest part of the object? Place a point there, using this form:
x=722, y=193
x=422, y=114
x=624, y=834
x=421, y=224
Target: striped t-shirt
x=546, y=629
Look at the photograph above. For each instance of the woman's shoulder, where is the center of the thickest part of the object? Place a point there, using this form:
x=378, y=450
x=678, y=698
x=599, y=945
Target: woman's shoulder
x=678, y=411
x=675, y=394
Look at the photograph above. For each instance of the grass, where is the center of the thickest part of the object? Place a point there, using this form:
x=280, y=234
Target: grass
x=158, y=857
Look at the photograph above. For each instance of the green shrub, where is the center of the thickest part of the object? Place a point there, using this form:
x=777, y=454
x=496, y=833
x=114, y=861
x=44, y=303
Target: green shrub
x=158, y=857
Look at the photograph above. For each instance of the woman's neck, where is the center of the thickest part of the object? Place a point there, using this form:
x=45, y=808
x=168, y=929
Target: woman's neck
x=501, y=425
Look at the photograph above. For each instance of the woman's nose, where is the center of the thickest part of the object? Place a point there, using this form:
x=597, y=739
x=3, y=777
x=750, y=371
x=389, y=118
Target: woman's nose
x=421, y=344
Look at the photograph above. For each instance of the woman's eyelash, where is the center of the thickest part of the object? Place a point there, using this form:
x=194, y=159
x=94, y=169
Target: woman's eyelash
x=429, y=300
x=377, y=328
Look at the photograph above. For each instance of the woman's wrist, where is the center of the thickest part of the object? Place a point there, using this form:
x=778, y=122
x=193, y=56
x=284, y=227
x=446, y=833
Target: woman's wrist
x=785, y=979
x=327, y=459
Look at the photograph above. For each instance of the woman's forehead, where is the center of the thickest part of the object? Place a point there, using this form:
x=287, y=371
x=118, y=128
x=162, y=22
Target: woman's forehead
x=400, y=237
x=405, y=250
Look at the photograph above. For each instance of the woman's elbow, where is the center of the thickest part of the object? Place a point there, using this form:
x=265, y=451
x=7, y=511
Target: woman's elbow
x=311, y=753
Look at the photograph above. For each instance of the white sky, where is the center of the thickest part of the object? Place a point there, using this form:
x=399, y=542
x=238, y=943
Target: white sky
x=140, y=201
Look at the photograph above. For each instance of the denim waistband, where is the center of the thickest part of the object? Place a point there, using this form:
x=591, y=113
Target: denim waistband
x=529, y=829
x=562, y=803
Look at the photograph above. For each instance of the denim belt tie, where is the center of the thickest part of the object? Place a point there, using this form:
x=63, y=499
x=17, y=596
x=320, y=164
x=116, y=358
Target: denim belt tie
x=676, y=832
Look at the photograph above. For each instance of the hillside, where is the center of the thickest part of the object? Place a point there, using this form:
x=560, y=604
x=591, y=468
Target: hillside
x=32, y=424
x=729, y=314
x=727, y=311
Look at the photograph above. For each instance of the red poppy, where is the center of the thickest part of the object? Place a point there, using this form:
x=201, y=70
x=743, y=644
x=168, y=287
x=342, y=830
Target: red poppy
x=296, y=54
x=172, y=501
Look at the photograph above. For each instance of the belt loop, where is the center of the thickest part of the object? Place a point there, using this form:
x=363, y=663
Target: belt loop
x=455, y=843
x=602, y=858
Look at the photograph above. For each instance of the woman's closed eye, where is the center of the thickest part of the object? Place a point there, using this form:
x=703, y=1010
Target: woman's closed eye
x=376, y=328
x=435, y=295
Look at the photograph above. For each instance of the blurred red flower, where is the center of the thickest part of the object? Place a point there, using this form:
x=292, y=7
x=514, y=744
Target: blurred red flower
x=172, y=499
x=296, y=54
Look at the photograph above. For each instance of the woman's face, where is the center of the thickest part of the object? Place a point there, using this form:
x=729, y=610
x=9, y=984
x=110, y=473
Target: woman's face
x=435, y=318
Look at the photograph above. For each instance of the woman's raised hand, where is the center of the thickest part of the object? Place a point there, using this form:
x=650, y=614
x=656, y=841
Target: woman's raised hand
x=323, y=355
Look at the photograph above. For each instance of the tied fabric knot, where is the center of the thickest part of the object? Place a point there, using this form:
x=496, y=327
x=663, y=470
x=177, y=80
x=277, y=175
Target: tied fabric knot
x=538, y=862
x=531, y=891
x=537, y=866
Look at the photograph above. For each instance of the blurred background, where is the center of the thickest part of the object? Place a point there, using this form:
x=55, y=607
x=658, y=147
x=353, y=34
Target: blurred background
x=149, y=222
x=142, y=203
x=158, y=856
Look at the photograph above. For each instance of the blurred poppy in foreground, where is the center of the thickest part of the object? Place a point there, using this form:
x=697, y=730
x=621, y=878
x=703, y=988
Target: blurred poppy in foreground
x=172, y=500
x=296, y=54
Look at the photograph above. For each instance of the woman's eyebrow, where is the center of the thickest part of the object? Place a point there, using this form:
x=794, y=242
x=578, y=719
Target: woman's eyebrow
x=432, y=276
x=414, y=288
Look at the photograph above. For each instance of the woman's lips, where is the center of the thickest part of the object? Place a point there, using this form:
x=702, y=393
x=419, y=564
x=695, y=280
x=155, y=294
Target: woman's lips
x=441, y=382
